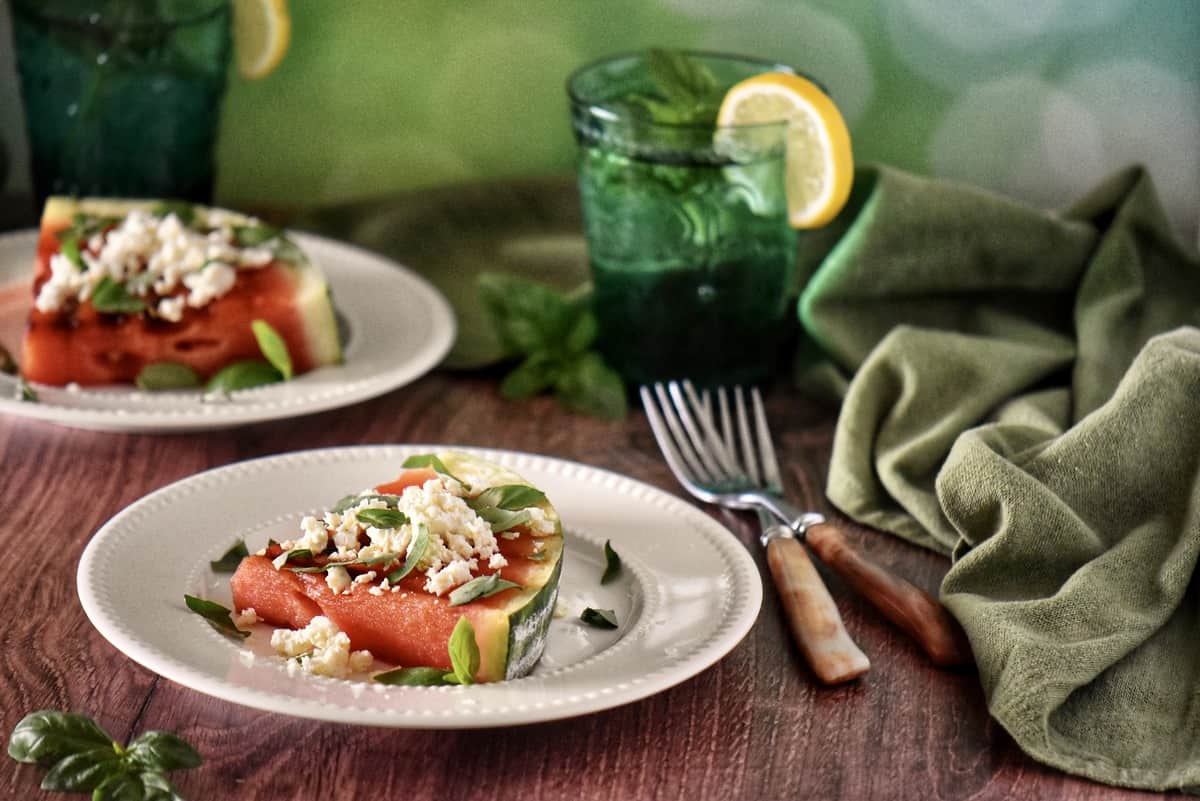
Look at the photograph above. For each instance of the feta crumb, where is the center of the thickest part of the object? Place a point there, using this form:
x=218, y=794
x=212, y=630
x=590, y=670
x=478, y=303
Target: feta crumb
x=375, y=590
x=338, y=579
x=209, y=283
x=497, y=561
x=365, y=578
x=315, y=536
x=245, y=618
x=450, y=576
x=510, y=535
x=320, y=648
x=539, y=524
x=73, y=388
x=280, y=561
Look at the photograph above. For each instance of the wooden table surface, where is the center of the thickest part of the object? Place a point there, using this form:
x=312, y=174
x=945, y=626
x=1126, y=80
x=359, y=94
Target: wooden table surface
x=754, y=726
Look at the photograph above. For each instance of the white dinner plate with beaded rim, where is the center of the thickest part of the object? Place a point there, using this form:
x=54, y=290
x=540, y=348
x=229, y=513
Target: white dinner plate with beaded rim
x=687, y=594
x=396, y=327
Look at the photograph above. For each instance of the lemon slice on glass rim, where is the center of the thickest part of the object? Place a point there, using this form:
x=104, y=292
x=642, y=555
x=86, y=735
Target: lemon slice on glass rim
x=262, y=31
x=820, y=165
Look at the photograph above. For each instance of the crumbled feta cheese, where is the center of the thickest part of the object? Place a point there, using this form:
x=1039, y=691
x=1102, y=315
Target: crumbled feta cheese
x=245, y=618
x=153, y=256
x=450, y=576
x=365, y=578
x=320, y=648
x=315, y=536
x=73, y=388
x=497, y=561
x=280, y=561
x=376, y=590
x=209, y=283
x=510, y=535
x=338, y=579
x=539, y=524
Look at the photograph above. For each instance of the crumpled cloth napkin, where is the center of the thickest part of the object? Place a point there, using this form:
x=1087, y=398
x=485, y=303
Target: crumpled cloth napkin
x=1026, y=398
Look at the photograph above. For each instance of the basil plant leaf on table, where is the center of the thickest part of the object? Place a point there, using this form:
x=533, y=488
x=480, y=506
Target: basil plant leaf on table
x=83, y=758
x=553, y=335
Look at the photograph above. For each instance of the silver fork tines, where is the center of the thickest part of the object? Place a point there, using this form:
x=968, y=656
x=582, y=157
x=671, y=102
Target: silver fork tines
x=726, y=462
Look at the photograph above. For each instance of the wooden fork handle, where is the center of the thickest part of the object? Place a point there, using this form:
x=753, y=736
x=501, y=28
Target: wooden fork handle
x=813, y=617
x=908, y=606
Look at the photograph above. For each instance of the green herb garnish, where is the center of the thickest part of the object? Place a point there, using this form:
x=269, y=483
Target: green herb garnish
x=230, y=560
x=8, y=365
x=430, y=460
x=243, y=375
x=612, y=563
x=185, y=211
x=70, y=249
x=508, y=496
x=25, y=392
x=112, y=297
x=600, y=618
x=253, y=235
x=416, y=551
x=166, y=375
x=553, y=336
x=480, y=587
x=502, y=519
x=217, y=616
x=413, y=677
x=537, y=556
x=381, y=559
x=685, y=90
x=83, y=758
x=350, y=501
x=464, y=653
x=381, y=518
x=273, y=347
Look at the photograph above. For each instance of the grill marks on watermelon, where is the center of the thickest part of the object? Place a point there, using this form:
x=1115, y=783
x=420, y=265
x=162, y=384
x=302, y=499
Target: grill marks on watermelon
x=91, y=348
x=409, y=628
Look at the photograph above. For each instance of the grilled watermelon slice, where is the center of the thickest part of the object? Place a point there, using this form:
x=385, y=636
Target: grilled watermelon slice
x=76, y=343
x=412, y=627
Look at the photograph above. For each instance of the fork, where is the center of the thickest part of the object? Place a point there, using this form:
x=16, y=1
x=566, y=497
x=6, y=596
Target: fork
x=703, y=456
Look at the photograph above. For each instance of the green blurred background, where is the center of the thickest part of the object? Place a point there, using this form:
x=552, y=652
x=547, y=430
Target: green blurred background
x=1036, y=98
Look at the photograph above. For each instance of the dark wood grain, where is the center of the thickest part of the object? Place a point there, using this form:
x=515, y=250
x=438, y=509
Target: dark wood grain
x=755, y=726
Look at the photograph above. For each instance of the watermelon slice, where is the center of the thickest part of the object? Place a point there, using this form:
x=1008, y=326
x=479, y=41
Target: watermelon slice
x=74, y=342
x=411, y=627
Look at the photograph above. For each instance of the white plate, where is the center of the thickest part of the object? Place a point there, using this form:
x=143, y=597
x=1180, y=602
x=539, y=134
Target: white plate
x=688, y=592
x=399, y=327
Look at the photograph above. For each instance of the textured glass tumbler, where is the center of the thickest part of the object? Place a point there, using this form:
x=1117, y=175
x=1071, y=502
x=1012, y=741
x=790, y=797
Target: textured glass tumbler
x=122, y=98
x=692, y=257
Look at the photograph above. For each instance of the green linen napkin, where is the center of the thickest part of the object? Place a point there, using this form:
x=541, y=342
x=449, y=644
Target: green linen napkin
x=1026, y=398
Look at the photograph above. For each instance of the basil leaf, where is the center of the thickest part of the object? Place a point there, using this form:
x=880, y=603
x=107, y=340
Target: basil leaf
x=464, y=653
x=162, y=751
x=480, y=587
x=230, y=560
x=243, y=375
x=612, y=563
x=430, y=460
x=537, y=556
x=502, y=519
x=350, y=501
x=70, y=249
x=185, y=211
x=691, y=90
x=273, y=347
x=125, y=786
x=47, y=736
x=582, y=334
x=412, y=677
x=600, y=618
x=254, y=235
x=381, y=518
x=156, y=787
x=416, y=550
x=166, y=375
x=591, y=387
x=217, y=616
x=83, y=771
x=25, y=392
x=527, y=316
x=537, y=373
x=112, y=297
x=298, y=553
x=382, y=559
x=513, y=497
x=8, y=364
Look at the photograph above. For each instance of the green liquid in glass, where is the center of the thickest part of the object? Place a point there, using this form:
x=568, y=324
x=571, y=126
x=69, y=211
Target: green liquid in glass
x=122, y=99
x=691, y=263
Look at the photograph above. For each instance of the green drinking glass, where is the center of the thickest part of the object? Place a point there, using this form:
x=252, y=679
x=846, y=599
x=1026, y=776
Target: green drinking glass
x=122, y=98
x=692, y=257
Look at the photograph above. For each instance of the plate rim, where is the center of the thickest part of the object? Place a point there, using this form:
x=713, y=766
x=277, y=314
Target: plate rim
x=738, y=619
x=442, y=334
